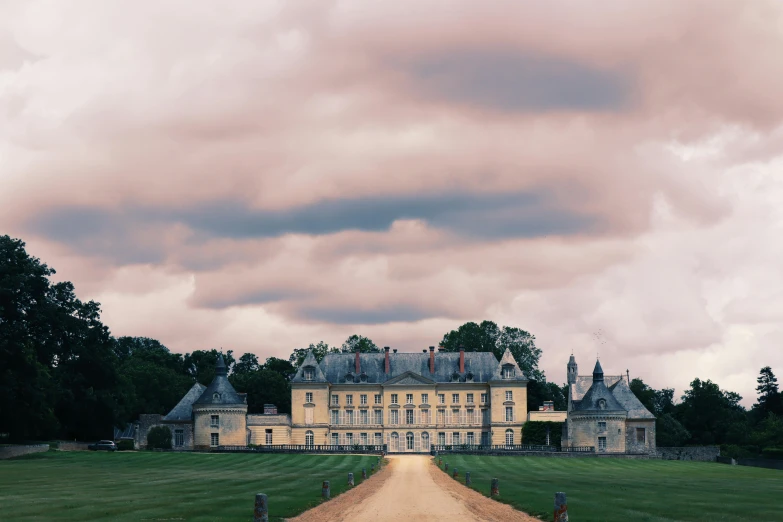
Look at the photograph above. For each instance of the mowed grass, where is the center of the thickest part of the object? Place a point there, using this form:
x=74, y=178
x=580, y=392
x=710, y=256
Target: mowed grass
x=605, y=489
x=81, y=485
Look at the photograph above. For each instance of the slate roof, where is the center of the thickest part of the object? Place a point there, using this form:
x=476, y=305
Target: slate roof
x=335, y=367
x=506, y=360
x=226, y=394
x=183, y=411
x=128, y=433
x=636, y=410
x=585, y=393
x=309, y=362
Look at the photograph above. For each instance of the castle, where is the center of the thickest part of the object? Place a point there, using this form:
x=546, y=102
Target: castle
x=409, y=402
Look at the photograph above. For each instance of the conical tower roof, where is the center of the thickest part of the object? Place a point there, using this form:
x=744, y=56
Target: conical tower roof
x=598, y=372
x=220, y=390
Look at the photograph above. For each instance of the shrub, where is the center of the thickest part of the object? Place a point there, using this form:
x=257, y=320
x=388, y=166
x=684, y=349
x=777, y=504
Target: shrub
x=534, y=432
x=126, y=445
x=159, y=437
x=738, y=452
x=772, y=453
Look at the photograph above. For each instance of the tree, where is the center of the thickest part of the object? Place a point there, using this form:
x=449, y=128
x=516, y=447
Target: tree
x=711, y=415
x=159, y=437
x=281, y=366
x=201, y=364
x=263, y=387
x=358, y=342
x=769, y=400
x=669, y=432
x=658, y=402
x=248, y=363
x=319, y=351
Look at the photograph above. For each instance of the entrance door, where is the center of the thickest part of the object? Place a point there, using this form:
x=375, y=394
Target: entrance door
x=409, y=441
x=425, y=442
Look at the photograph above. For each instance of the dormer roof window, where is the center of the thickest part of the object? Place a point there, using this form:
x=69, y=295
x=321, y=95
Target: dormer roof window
x=508, y=371
x=308, y=374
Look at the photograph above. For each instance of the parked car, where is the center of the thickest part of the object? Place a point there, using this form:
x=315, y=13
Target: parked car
x=107, y=445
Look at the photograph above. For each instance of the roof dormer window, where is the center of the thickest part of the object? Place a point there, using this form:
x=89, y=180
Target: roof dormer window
x=216, y=396
x=349, y=377
x=308, y=374
x=508, y=371
x=601, y=404
x=455, y=377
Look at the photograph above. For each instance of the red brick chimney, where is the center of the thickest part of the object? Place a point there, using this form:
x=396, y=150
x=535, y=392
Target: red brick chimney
x=461, y=359
x=386, y=367
x=358, y=365
x=441, y=348
x=432, y=359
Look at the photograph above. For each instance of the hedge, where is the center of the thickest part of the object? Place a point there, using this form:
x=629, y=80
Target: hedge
x=159, y=437
x=534, y=432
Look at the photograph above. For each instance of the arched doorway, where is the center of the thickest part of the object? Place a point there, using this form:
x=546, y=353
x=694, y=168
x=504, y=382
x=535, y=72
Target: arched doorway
x=409, y=441
x=509, y=437
x=425, y=441
x=309, y=438
x=395, y=441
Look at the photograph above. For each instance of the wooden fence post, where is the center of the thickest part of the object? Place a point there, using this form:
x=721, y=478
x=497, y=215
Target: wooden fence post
x=364, y=473
x=467, y=478
x=456, y=473
x=261, y=512
x=325, y=493
x=350, y=479
x=495, y=488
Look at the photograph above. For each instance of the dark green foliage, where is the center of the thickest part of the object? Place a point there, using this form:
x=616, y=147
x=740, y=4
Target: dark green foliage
x=200, y=364
x=281, y=366
x=319, y=351
x=534, y=432
x=772, y=453
x=363, y=344
x=125, y=445
x=538, y=392
x=263, y=387
x=739, y=452
x=159, y=437
x=669, y=432
x=770, y=400
x=711, y=415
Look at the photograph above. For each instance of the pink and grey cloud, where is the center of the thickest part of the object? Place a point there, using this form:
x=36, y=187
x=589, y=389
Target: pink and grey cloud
x=262, y=175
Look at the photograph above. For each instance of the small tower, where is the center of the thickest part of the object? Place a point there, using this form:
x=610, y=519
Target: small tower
x=572, y=370
x=598, y=372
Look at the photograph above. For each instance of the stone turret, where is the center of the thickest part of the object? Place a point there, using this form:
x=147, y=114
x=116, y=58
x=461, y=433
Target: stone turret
x=572, y=370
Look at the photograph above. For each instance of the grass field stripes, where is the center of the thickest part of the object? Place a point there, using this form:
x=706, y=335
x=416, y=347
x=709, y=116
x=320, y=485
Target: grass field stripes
x=628, y=489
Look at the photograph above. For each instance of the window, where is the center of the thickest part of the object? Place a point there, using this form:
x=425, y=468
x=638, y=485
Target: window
x=363, y=398
x=309, y=374
x=441, y=416
x=335, y=400
x=378, y=416
x=471, y=416
x=425, y=441
x=408, y=416
x=214, y=421
x=509, y=396
x=601, y=443
x=508, y=372
x=442, y=438
x=441, y=398
x=309, y=415
x=483, y=398
x=640, y=435
x=378, y=439
x=408, y=398
x=455, y=438
x=309, y=397
x=509, y=414
x=425, y=398
x=409, y=441
x=349, y=438
x=363, y=417
x=601, y=426
x=363, y=438
x=455, y=398
x=349, y=400
x=425, y=416
x=309, y=438
x=268, y=439
x=179, y=438
x=484, y=438
x=214, y=440
x=394, y=398
x=395, y=441
x=509, y=437
x=335, y=439
x=471, y=438
x=349, y=417
x=469, y=399
x=394, y=417
x=377, y=398
x=601, y=404
x=335, y=417
x=485, y=417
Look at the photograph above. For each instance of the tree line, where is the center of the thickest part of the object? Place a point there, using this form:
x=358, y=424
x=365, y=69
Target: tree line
x=63, y=375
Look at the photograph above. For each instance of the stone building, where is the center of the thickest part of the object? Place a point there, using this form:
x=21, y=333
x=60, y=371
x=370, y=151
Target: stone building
x=409, y=401
x=603, y=412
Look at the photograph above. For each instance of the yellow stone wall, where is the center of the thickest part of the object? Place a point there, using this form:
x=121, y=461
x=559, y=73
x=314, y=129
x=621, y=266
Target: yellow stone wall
x=281, y=434
x=547, y=416
x=320, y=403
x=232, y=429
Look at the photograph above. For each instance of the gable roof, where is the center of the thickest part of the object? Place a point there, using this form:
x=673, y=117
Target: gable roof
x=507, y=360
x=183, y=411
x=309, y=361
x=336, y=366
x=408, y=378
x=625, y=396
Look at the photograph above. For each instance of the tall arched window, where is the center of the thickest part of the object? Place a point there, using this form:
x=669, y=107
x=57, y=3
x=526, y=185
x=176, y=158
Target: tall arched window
x=425, y=441
x=509, y=437
x=309, y=438
x=395, y=442
x=409, y=441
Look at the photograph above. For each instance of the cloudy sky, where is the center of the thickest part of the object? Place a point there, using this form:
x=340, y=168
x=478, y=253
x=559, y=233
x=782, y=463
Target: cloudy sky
x=260, y=175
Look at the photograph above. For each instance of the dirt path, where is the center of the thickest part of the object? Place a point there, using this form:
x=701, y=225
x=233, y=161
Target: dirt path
x=412, y=488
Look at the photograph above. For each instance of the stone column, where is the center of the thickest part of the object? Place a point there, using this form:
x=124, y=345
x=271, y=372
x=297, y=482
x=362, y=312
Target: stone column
x=261, y=512
x=325, y=493
x=456, y=473
x=467, y=478
x=350, y=479
x=447, y=467
x=495, y=488
x=561, y=507
x=364, y=473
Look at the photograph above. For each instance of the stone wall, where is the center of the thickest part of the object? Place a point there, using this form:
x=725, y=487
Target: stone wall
x=72, y=446
x=147, y=421
x=632, y=444
x=761, y=463
x=700, y=453
x=9, y=452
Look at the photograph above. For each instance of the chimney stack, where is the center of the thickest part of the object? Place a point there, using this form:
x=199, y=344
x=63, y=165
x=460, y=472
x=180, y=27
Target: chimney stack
x=432, y=359
x=386, y=366
x=395, y=350
x=441, y=348
x=461, y=359
x=358, y=365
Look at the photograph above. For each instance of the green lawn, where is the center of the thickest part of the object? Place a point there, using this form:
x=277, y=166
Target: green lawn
x=625, y=489
x=81, y=485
